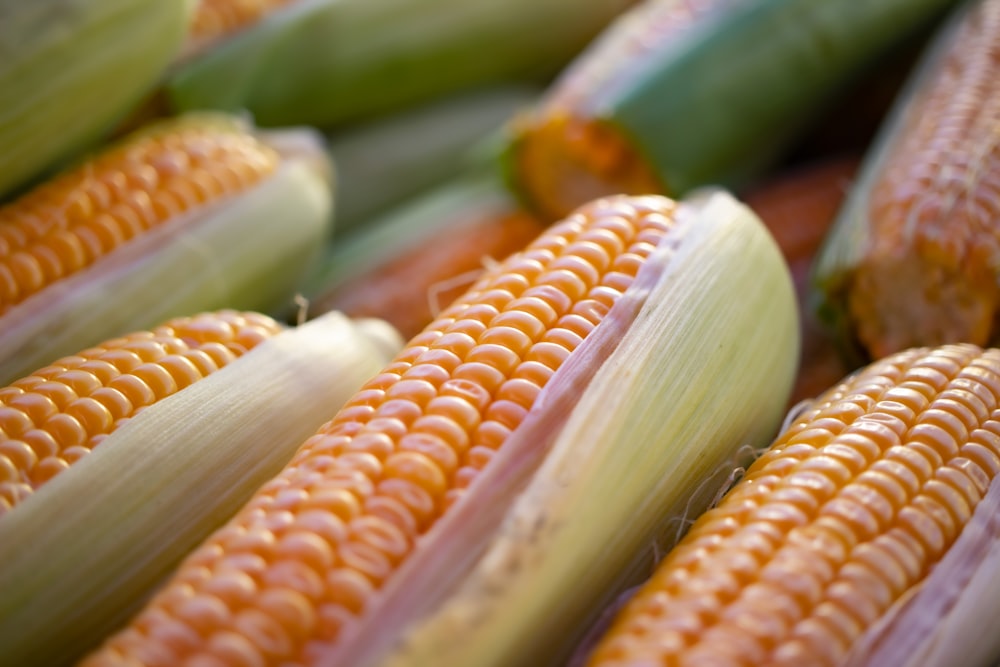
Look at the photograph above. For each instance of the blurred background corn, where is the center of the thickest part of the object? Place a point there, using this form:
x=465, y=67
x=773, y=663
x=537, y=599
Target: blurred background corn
x=406, y=266
x=913, y=258
x=216, y=20
x=332, y=62
x=842, y=518
x=136, y=234
x=680, y=94
x=69, y=72
x=391, y=159
x=799, y=204
x=58, y=414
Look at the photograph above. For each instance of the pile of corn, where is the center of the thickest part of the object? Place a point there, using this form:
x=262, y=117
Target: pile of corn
x=556, y=333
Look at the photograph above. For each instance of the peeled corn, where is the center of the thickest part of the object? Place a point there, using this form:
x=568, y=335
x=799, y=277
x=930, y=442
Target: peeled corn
x=58, y=414
x=384, y=508
x=836, y=527
x=174, y=455
x=190, y=214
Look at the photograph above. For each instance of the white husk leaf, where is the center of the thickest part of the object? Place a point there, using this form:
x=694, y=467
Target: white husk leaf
x=701, y=375
x=80, y=553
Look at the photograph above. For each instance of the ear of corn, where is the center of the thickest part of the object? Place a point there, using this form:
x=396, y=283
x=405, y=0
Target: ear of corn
x=58, y=414
x=70, y=70
x=518, y=580
x=327, y=62
x=80, y=553
x=196, y=213
x=408, y=265
x=388, y=160
x=835, y=526
x=400, y=491
x=913, y=258
x=677, y=94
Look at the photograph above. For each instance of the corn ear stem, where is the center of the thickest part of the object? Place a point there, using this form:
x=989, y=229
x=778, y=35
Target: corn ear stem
x=693, y=371
x=84, y=550
x=71, y=69
x=327, y=62
x=388, y=160
x=716, y=100
x=248, y=251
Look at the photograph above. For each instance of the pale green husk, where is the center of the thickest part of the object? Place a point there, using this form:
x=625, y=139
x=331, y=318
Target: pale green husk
x=388, y=160
x=80, y=553
x=326, y=62
x=698, y=381
x=71, y=69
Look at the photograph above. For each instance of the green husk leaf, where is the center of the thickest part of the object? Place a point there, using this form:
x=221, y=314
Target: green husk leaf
x=326, y=62
x=83, y=551
x=388, y=160
x=71, y=69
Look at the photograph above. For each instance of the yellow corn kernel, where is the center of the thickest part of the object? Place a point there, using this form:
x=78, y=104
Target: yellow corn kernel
x=67, y=224
x=55, y=416
x=302, y=560
x=839, y=520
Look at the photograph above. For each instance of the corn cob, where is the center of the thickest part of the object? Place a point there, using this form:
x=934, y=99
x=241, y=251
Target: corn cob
x=678, y=94
x=198, y=198
x=69, y=71
x=920, y=224
x=406, y=266
x=120, y=459
x=329, y=62
x=834, y=527
x=393, y=497
x=388, y=160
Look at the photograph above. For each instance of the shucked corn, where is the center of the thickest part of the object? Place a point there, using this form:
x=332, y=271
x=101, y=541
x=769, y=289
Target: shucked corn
x=837, y=522
x=58, y=414
x=301, y=561
x=64, y=226
x=226, y=216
